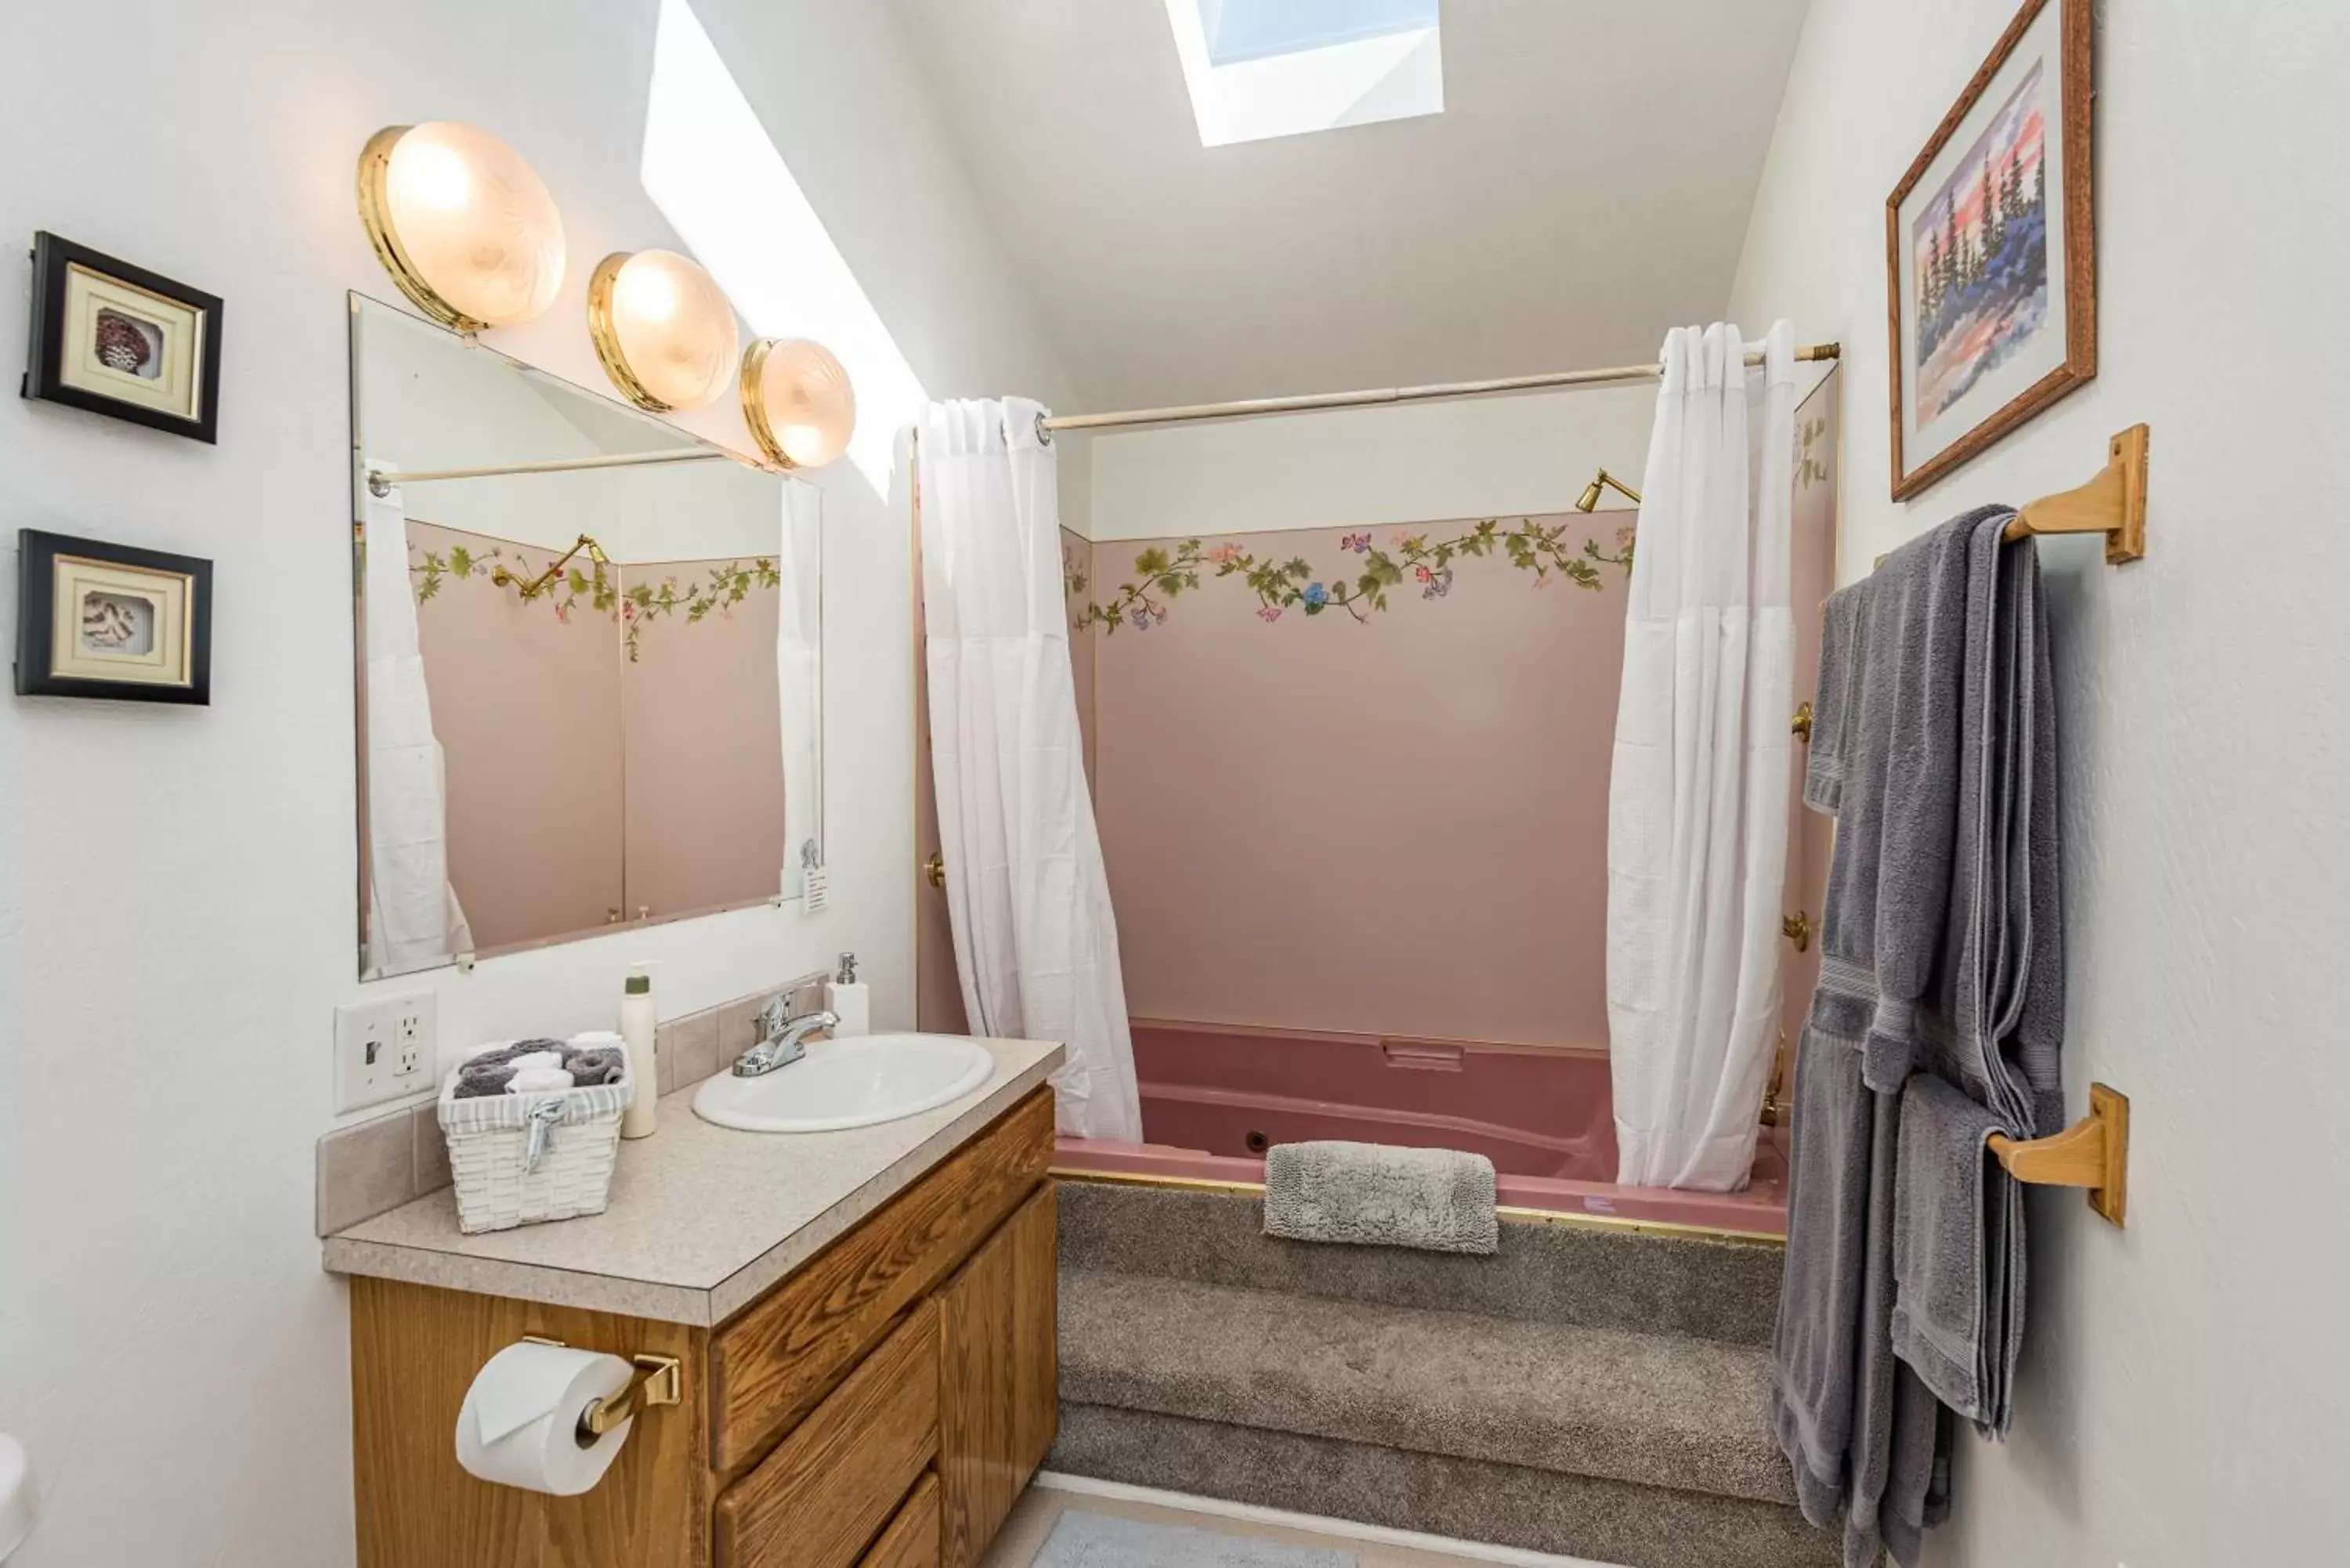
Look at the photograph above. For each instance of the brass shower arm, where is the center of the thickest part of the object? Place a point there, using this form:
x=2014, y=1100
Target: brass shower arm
x=1589, y=499
x=533, y=587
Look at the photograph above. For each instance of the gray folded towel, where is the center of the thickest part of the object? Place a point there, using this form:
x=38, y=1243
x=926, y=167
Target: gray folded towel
x=488, y=1072
x=1370, y=1195
x=499, y=1055
x=1958, y=1253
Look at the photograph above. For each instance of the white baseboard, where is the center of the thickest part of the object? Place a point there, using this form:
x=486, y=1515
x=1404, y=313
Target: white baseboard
x=1347, y=1529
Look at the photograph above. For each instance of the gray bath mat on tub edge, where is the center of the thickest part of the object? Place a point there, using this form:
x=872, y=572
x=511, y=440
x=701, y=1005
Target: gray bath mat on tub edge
x=1083, y=1540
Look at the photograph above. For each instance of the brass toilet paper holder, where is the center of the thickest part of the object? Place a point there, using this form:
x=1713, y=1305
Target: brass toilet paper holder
x=657, y=1380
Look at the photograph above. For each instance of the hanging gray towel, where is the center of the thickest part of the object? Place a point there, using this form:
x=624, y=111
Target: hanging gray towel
x=1372, y=1195
x=1934, y=746
x=1958, y=1253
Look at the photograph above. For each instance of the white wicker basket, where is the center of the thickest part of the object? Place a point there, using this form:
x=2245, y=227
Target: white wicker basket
x=519, y=1159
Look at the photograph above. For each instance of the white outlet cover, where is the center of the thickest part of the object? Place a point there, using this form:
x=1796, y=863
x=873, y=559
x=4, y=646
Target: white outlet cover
x=383, y=1050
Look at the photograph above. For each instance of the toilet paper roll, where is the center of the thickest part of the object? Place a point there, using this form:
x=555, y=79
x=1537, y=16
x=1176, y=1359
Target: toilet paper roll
x=518, y=1426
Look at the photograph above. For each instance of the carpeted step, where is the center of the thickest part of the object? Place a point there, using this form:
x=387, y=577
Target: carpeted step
x=1655, y=1410
x=1468, y=1500
x=1703, y=1287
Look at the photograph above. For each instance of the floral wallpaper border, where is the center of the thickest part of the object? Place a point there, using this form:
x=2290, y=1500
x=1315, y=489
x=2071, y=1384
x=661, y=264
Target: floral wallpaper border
x=634, y=606
x=1414, y=557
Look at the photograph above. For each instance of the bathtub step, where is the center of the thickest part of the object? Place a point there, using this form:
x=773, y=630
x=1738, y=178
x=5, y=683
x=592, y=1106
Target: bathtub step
x=1593, y=1393
x=1601, y=1278
x=1647, y=1449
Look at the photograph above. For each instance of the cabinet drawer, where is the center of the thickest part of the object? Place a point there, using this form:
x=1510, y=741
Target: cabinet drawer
x=773, y=1362
x=828, y=1488
x=912, y=1539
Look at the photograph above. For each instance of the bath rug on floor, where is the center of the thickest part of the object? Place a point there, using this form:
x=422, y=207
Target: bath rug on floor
x=1372, y=1195
x=1083, y=1540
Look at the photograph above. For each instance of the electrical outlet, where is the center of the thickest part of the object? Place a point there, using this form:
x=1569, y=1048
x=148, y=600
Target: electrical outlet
x=383, y=1050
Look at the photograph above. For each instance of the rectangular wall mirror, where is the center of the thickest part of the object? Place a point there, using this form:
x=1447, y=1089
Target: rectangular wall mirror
x=589, y=691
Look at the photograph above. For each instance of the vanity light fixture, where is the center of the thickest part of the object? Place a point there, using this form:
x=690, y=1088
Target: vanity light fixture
x=664, y=328
x=799, y=402
x=463, y=225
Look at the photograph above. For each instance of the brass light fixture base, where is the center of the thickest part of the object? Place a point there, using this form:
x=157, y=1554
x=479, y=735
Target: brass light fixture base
x=606, y=337
x=375, y=166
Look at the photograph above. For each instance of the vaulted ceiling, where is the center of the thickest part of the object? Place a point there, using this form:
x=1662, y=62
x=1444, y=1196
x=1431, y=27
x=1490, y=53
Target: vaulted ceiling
x=1586, y=186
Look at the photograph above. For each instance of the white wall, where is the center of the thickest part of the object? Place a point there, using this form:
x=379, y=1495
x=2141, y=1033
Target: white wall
x=2186, y=1387
x=1403, y=462
x=177, y=907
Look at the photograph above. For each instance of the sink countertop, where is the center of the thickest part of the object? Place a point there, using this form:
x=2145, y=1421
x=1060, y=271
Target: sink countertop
x=703, y=1219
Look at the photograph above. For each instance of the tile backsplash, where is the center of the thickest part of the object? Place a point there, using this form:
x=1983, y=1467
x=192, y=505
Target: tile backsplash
x=372, y=1166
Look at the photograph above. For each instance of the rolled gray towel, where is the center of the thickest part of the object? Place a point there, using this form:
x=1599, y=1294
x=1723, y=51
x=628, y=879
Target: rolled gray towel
x=477, y=1079
x=1370, y=1195
x=595, y=1064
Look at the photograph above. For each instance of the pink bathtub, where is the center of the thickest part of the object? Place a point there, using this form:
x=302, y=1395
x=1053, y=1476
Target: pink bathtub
x=1215, y=1097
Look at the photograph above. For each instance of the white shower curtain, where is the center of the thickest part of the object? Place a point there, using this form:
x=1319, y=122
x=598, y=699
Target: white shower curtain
x=1035, y=945
x=413, y=919
x=799, y=679
x=1696, y=811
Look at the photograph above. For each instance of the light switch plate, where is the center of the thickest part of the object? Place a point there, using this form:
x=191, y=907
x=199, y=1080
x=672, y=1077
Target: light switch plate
x=383, y=1050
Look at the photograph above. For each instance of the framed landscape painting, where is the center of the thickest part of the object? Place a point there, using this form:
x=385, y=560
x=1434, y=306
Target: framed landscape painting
x=1991, y=251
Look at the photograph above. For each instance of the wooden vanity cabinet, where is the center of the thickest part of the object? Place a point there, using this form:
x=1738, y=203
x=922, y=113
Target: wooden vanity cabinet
x=882, y=1407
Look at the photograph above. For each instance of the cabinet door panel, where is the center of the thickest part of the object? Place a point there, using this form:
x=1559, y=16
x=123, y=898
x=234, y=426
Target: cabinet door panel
x=414, y=1352
x=998, y=1369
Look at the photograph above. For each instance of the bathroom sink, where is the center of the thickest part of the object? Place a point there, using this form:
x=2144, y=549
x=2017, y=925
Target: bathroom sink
x=848, y=1084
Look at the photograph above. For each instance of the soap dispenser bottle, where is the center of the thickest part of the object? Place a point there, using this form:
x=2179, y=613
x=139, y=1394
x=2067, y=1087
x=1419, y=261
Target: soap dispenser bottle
x=850, y=999
x=637, y=1025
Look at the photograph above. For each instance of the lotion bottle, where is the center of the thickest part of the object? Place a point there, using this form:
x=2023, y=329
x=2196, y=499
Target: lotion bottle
x=637, y=1025
x=850, y=999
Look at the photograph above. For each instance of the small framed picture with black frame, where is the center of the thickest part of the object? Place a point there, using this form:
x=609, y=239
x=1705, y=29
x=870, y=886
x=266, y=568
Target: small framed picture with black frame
x=114, y=338
x=95, y=619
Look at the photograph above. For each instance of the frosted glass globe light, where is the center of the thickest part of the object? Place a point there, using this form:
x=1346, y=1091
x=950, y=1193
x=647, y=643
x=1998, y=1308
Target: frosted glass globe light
x=799, y=401
x=664, y=328
x=463, y=225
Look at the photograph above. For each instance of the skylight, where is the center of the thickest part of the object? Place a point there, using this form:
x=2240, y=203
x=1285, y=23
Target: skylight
x=1262, y=69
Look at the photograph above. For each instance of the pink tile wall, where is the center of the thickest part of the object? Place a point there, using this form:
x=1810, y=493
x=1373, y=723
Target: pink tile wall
x=528, y=710
x=704, y=753
x=1393, y=828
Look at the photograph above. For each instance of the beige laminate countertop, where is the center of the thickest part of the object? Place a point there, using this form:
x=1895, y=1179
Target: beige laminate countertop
x=703, y=1219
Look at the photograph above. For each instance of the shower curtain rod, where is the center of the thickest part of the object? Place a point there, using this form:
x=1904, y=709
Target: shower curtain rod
x=1253, y=406
x=380, y=481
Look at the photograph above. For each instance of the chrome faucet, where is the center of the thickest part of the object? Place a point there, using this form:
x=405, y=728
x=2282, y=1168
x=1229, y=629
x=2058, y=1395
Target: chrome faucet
x=783, y=1038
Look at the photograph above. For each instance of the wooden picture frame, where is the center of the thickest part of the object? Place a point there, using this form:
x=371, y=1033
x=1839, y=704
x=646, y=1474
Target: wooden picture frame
x=109, y=337
x=115, y=622
x=2000, y=195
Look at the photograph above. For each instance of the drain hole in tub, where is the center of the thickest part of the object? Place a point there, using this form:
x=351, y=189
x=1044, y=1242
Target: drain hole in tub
x=1257, y=1142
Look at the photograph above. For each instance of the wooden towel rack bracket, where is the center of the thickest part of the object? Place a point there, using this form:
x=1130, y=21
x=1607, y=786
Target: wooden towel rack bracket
x=2113, y=503
x=2093, y=1152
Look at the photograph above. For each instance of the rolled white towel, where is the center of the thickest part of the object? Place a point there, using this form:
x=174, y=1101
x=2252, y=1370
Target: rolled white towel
x=535, y=1059
x=537, y=1081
